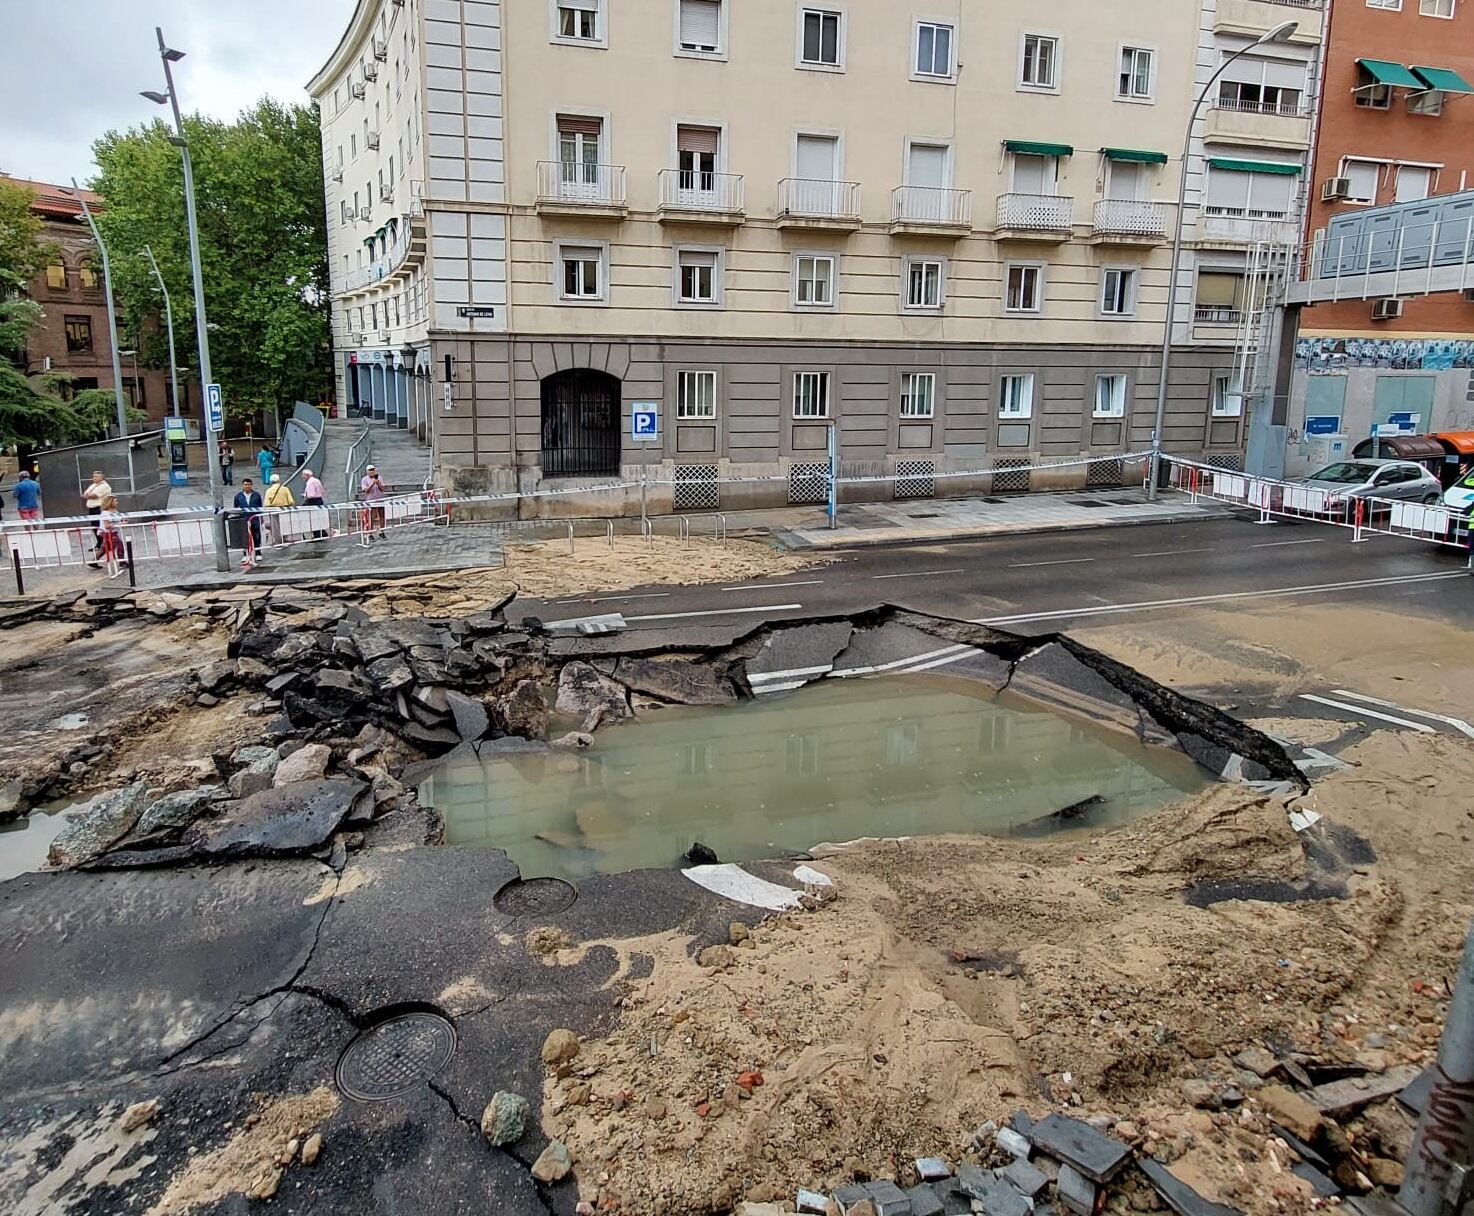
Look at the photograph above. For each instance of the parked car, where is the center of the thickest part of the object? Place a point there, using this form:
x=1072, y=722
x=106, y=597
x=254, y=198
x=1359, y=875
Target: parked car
x=1460, y=496
x=1374, y=481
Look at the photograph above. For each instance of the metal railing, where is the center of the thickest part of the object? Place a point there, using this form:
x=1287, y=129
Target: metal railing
x=1280, y=109
x=574, y=183
x=695, y=190
x=1130, y=217
x=1213, y=315
x=815, y=198
x=1036, y=212
x=931, y=205
x=360, y=454
x=386, y=263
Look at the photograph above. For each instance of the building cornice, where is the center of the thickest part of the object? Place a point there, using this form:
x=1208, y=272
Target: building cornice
x=348, y=49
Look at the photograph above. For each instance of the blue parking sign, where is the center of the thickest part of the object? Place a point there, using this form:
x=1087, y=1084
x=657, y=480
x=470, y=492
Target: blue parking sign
x=644, y=422
x=214, y=407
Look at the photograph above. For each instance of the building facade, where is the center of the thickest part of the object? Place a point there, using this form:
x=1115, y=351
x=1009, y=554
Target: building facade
x=948, y=237
x=1395, y=126
x=73, y=338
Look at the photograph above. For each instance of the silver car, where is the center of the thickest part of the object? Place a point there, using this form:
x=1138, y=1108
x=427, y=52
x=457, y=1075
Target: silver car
x=1395, y=480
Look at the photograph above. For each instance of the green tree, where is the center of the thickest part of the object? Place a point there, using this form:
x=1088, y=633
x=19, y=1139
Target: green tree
x=263, y=247
x=43, y=409
x=22, y=254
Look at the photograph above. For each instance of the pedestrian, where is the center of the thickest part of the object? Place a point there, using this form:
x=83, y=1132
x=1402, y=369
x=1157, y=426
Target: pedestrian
x=248, y=503
x=278, y=498
x=93, y=495
x=110, y=528
x=371, y=490
x=28, y=499
x=227, y=462
x=265, y=461
x=314, y=495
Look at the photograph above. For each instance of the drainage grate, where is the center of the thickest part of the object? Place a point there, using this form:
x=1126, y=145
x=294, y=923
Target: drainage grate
x=1010, y=475
x=1099, y=474
x=398, y=1055
x=916, y=478
x=1233, y=462
x=1087, y=502
x=697, y=487
x=808, y=483
x=535, y=897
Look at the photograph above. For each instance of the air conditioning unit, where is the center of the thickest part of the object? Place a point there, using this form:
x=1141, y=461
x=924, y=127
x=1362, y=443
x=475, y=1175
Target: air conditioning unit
x=370, y=70
x=1469, y=295
x=1334, y=189
x=372, y=139
x=381, y=50
x=337, y=175
x=384, y=337
x=356, y=87
x=1386, y=310
x=386, y=193
x=365, y=213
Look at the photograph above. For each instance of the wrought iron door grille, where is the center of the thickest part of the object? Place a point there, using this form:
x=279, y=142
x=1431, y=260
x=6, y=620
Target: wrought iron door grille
x=1233, y=462
x=1105, y=474
x=697, y=487
x=580, y=424
x=808, y=483
x=1011, y=474
x=916, y=478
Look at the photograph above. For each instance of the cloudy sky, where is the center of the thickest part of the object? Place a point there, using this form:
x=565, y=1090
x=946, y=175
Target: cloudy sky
x=72, y=69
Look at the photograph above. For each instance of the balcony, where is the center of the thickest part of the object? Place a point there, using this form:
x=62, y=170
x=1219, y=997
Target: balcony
x=1246, y=226
x=1217, y=322
x=1123, y=221
x=692, y=196
x=815, y=204
x=405, y=250
x=1035, y=217
x=1257, y=123
x=930, y=211
x=1251, y=18
x=589, y=191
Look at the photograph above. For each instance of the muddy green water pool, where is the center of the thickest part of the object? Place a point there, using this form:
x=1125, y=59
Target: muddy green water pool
x=902, y=756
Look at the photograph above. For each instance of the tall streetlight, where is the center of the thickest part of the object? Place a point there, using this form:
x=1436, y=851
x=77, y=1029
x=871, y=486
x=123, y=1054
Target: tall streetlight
x=168, y=325
x=112, y=312
x=170, y=97
x=1280, y=33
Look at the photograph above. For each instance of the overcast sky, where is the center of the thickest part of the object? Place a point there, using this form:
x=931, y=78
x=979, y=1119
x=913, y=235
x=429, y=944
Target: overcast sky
x=72, y=69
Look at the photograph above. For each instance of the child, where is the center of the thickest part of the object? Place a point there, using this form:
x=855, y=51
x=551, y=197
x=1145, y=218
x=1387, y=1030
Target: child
x=110, y=526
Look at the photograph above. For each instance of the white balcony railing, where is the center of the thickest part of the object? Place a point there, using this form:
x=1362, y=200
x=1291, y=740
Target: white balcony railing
x=1036, y=212
x=1278, y=108
x=1214, y=314
x=697, y=190
x=931, y=205
x=817, y=199
x=1130, y=217
x=578, y=184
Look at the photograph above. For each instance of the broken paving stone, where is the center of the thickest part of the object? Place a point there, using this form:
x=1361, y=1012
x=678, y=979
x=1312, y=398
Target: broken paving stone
x=1258, y=1061
x=931, y=1169
x=924, y=1201
x=1029, y=1180
x=1077, y=1192
x=504, y=1121
x=574, y=741
x=560, y=1047
x=305, y=764
x=138, y=1114
x=1094, y=1154
x=1011, y=1142
x=1291, y=1109
x=96, y=825
x=1344, y=1097
x=553, y=1163
x=470, y=716
x=810, y=1203
x=1202, y=1094
x=582, y=690
x=278, y=822
x=177, y=810
x=524, y=711
x=678, y=680
x=716, y=957
x=1320, y=1183
x=1180, y=1197
x=974, y=1180
x=887, y=1198
x=312, y=1149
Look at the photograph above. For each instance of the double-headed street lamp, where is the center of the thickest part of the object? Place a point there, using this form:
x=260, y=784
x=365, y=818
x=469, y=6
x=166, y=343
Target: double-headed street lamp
x=168, y=325
x=1280, y=33
x=112, y=312
x=170, y=97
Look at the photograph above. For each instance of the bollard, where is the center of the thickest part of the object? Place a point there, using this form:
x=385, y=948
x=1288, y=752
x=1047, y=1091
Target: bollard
x=20, y=580
x=570, y=540
x=609, y=533
x=132, y=573
x=1440, y=1167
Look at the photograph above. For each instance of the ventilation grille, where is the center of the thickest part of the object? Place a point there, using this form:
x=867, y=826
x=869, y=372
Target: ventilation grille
x=1011, y=475
x=808, y=483
x=697, y=488
x=1232, y=461
x=916, y=478
x=1105, y=474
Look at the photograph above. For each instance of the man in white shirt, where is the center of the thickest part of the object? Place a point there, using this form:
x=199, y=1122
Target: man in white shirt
x=92, y=495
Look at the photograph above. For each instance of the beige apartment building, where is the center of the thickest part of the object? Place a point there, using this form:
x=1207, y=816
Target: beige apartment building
x=941, y=228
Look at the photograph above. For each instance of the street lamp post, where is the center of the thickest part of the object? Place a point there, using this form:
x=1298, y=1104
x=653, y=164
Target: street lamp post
x=112, y=312
x=168, y=325
x=170, y=97
x=1280, y=33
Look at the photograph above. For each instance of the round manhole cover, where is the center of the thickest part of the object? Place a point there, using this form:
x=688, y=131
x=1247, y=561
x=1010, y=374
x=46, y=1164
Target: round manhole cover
x=535, y=897
x=396, y=1056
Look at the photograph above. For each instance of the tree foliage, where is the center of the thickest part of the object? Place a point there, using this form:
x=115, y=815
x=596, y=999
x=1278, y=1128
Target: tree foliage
x=42, y=410
x=22, y=254
x=263, y=247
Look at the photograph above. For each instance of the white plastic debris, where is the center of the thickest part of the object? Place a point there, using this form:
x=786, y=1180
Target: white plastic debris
x=811, y=877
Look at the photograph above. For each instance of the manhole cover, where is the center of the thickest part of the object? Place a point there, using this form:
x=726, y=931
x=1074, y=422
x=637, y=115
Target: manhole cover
x=396, y=1056
x=535, y=897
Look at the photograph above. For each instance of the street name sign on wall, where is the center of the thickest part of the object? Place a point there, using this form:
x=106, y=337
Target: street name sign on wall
x=214, y=407
x=644, y=422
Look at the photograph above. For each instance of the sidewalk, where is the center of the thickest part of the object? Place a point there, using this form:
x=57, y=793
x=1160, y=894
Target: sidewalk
x=928, y=519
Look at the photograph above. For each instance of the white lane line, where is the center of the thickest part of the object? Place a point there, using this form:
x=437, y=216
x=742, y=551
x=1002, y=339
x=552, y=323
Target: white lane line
x=1457, y=723
x=919, y=573
x=1362, y=712
x=680, y=616
x=1147, y=605
x=1171, y=552
x=1275, y=544
x=764, y=676
x=735, y=883
x=813, y=582
x=1064, y=561
x=606, y=599
x=898, y=663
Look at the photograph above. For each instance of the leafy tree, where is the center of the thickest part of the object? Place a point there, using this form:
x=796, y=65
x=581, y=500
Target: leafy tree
x=43, y=410
x=22, y=254
x=263, y=247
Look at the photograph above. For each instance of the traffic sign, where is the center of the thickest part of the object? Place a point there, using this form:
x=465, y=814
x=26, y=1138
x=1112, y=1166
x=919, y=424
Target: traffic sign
x=214, y=407
x=644, y=422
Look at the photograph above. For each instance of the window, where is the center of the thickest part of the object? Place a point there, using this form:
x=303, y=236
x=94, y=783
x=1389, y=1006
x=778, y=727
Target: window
x=1110, y=397
x=582, y=271
x=1125, y=180
x=698, y=276
x=1040, y=66
x=1034, y=174
x=918, y=394
x=1257, y=196
x=1118, y=291
x=1436, y=8
x=1135, y=81
x=1220, y=297
x=928, y=165
x=578, y=21
x=1395, y=5
x=811, y=394
x=1016, y=396
x=1025, y=287
x=1228, y=396
x=1429, y=101
x=1258, y=85
x=1364, y=176
x=816, y=161
x=79, y=334
x=87, y=277
x=933, y=50
x=1414, y=182
x=696, y=159
x=924, y=283
x=56, y=275
x=813, y=280
x=821, y=38
x=353, y=144
x=696, y=396
x=579, y=156
x=700, y=26
x=1369, y=94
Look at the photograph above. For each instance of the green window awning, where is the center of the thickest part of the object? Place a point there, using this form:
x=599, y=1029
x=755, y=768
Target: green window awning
x=1384, y=71
x=1143, y=158
x=1256, y=166
x=1032, y=147
x=1445, y=80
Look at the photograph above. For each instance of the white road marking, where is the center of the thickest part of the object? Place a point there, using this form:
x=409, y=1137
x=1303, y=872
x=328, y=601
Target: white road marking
x=814, y=582
x=762, y=677
x=1064, y=561
x=1275, y=544
x=735, y=883
x=678, y=616
x=894, y=664
x=1363, y=712
x=603, y=599
x=919, y=573
x=1457, y=723
x=1171, y=552
x=1147, y=605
